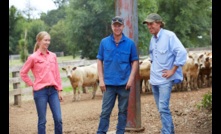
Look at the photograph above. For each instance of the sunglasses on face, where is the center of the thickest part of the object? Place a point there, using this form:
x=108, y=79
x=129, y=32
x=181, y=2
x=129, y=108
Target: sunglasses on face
x=117, y=20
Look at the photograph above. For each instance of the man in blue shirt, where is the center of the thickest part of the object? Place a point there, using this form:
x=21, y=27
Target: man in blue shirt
x=167, y=55
x=117, y=62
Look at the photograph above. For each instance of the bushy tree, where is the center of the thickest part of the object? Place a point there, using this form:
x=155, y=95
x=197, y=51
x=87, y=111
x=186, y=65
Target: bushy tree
x=34, y=28
x=15, y=31
x=79, y=25
x=23, y=50
x=53, y=16
x=89, y=22
x=189, y=19
x=58, y=38
x=145, y=7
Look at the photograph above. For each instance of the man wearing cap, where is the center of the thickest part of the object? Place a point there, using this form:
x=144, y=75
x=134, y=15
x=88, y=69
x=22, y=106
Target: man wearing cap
x=117, y=62
x=167, y=55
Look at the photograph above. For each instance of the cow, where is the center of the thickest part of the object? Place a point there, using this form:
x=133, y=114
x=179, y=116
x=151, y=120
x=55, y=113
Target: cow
x=191, y=68
x=81, y=77
x=144, y=72
x=205, y=72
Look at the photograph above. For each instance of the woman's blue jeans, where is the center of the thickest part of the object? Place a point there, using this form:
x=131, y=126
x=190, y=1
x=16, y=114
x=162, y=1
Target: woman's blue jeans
x=109, y=97
x=50, y=96
x=162, y=99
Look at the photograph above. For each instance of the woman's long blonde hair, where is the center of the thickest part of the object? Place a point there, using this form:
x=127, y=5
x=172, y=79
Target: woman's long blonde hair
x=39, y=37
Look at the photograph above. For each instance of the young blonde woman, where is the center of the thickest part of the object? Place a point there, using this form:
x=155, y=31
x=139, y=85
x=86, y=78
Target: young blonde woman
x=46, y=86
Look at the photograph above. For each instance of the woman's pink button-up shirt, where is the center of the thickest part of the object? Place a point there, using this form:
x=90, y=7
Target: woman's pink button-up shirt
x=45, y=70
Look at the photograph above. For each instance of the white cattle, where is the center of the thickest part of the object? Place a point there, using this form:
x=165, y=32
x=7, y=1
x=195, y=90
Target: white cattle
x=144, y=72
x=82, y=77
x=195, y=61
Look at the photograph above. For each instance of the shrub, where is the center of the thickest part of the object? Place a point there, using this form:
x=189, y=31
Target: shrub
x=206, y=102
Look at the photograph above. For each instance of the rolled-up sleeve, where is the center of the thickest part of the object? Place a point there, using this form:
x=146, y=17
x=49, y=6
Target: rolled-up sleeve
x=100, y=52
x=178, y=50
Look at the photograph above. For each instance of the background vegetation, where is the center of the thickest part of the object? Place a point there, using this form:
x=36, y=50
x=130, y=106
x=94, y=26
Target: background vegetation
x=77, y=26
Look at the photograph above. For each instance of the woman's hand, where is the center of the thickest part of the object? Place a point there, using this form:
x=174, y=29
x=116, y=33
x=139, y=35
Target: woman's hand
x=60, y=95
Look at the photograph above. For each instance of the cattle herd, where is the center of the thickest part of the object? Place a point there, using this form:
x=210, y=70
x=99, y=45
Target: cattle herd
x=197, y=74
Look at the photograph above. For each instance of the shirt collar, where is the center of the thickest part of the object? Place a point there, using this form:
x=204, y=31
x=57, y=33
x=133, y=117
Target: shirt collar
x=40, y=53
x=159, y=33
x=122, y=39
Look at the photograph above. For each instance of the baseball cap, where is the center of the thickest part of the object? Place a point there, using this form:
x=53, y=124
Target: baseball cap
x=117, y=19
x=153, y=17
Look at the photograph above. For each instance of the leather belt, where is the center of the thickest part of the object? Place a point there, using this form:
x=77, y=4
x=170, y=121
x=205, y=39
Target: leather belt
x=48, y=86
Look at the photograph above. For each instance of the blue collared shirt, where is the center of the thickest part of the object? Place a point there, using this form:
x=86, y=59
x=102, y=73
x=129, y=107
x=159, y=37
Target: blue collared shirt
x=117, y=59
x=166, y=51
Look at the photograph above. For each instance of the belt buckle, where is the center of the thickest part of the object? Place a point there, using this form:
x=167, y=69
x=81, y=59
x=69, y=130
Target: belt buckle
x=48, y=86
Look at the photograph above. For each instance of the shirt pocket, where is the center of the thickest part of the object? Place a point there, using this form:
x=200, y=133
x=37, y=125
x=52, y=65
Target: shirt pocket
x=124, y=57
x=123, y=61
x=162, y=56
x=108, y=54
x=39, y=65
x=52, y=64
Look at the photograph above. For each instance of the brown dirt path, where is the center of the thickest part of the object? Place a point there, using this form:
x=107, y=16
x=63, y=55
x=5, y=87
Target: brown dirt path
x=82, y=117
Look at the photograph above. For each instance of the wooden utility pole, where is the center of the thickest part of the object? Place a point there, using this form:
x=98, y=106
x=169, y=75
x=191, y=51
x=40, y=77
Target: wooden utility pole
x=128, y=10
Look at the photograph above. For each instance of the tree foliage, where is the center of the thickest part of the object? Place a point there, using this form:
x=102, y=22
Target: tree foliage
x=58, y=38
x=23, y=50
x=14, y=29
x=79, y=25
x=145, y=7
x=60, y=3
x=53, y=16
x=188, y=19
x=88, y=22
x=34, y=27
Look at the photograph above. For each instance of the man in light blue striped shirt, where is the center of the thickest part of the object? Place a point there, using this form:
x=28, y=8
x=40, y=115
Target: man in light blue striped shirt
x=167, y=55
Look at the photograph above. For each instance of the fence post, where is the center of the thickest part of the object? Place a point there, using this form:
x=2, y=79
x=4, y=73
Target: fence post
x=17, y=98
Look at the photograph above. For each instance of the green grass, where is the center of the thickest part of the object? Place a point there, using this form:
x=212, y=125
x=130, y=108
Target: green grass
x=15, y=63
x=67, y=58
x=18, y=62
x=68, y=89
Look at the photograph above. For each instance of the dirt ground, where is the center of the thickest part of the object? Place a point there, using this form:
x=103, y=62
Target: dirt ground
x=82, y=117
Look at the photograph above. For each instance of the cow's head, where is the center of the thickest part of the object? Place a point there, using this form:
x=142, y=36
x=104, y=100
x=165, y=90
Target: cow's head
x=69, y=70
